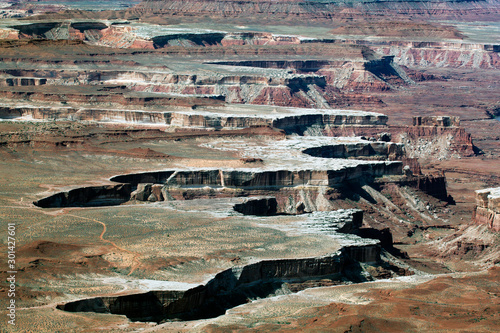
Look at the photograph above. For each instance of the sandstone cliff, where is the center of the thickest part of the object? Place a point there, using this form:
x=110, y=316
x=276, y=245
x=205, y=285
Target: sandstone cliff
x=487, y=209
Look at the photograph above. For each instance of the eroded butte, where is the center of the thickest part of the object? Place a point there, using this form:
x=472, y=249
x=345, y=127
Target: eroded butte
x=307, y=166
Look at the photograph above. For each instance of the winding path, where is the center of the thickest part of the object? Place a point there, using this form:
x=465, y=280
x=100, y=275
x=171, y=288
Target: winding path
x=101, y=237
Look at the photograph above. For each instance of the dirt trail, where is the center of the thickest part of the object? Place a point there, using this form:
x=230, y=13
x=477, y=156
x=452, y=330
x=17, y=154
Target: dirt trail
x=101, y=237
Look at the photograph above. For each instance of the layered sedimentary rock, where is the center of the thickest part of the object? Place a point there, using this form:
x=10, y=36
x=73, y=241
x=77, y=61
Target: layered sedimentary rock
x=433, y=185
x=442, y=54
x=439, y=136
x=421, y=140
x=116, y=35
x=238, y=284
x=288, y=119
x=487, y=209
x=251, y=178
x=294, y=192
x=331, y=74
x=344, y=220
x=318, y=11
x=227, y=289
x=403, y=28
x=189, y=184
x=328, y=119
x=113, y=95
x=442, y=121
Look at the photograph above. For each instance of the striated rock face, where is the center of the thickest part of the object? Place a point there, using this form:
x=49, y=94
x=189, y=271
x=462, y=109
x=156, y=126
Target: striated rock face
x=258, y=38
x=102, y=33
x=441, y=142
x=228, y=288
x=364, y=73
x=292, y=120
x=441, y=54
x=432, y=185
x=254, y=178
x=107, y=96
x=331, y=119
x=440, y=137
x=369, y=253
x=299, y=191
x=329, y=75
x=443, y=121
x=339, y=81
x=346, y=221
x=402, y=28
x=487, y=209
x=317, y=11
x=142, y=193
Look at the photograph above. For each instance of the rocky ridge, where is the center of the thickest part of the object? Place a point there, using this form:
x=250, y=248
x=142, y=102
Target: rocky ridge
x=232, y=287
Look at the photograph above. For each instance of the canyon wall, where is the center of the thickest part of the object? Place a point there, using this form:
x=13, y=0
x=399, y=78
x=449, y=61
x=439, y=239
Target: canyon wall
x=112, y=97
x=294, y=122
x=227, y=289
x=318, y=11
x=94, y=196
x=255, y=178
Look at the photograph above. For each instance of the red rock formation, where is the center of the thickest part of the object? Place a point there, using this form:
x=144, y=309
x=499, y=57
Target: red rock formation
x=455, y=55
x=442, y=121
x=460, y=141
x=398, y=29
x=312, y=10
x=457, y=139
x=487, y=209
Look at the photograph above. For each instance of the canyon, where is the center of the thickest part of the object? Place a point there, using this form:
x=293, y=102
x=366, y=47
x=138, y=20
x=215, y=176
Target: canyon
x=215, y=166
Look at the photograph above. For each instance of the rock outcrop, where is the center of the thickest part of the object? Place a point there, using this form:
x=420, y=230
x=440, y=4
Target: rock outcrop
x=439, y=136
x=22, y=81
x=442, y=121
x=487, y=209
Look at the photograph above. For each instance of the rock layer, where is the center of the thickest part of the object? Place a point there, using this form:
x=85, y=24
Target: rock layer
x=317, y=11
x=487, y=209
x=288, y=119
x=227, y=289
